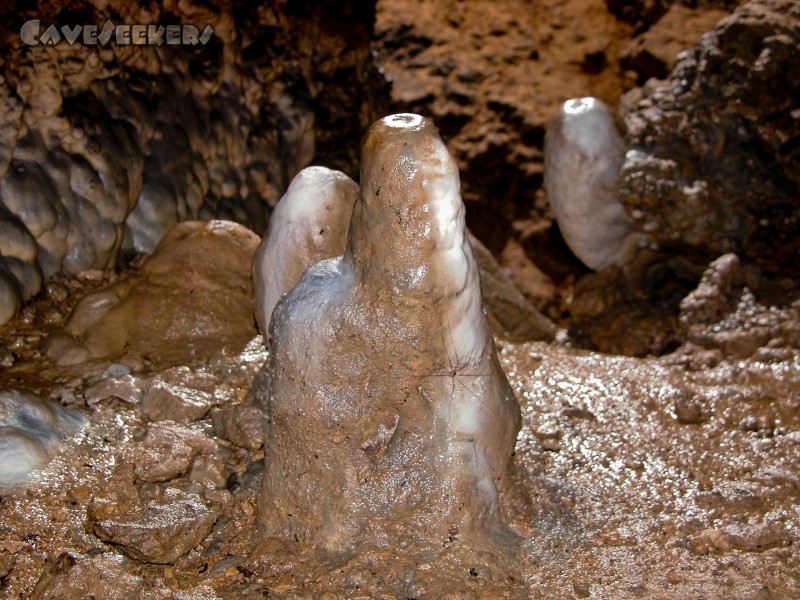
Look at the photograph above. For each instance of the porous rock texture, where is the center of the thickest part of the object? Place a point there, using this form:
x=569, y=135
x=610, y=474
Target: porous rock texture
x=389, y=413
x=105, y=147
x=724, y=315
x=715, y=162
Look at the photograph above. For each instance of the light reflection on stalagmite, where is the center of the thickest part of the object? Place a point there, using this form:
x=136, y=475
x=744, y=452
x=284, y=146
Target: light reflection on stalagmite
x=309, y=224
x=583, y=155
x=388, y=408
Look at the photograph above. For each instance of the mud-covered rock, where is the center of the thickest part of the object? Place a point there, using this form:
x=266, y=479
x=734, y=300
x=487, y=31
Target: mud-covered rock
x=511, y=315
x=6, y=564
x=104, y=577
x=125, y=387
x=723, y=312
x=597, y=293
x=750, y=538
x=714, y=165
x=687, y=409
x=168, y=450
x=159, y=530
x=175, y=403
x=240, y=425
x=716, y=294
x=192, y=298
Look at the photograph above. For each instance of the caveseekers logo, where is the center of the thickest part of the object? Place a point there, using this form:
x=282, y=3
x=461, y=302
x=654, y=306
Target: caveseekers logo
x=122, y=35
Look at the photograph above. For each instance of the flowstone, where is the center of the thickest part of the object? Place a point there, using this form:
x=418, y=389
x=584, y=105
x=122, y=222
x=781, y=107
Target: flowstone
x=388, y=410
x=32, y=431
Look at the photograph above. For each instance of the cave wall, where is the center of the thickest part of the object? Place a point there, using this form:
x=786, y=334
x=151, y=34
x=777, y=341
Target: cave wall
x=714, y=165
x=103, y=147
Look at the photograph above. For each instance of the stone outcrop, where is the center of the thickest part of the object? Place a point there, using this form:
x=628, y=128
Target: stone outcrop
x=715, y=163
x=106, y=146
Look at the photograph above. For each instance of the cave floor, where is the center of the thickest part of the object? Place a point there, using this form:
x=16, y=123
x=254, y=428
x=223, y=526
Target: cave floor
x=669, y=477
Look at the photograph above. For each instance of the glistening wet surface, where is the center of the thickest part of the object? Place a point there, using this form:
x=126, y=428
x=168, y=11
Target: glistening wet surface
x=667, y=477
x=668, y=482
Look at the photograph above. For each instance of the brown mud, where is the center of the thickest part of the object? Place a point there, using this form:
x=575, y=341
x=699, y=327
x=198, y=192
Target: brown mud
x=671, y=477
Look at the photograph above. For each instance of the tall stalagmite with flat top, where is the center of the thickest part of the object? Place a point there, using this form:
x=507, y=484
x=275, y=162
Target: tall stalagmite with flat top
x=389, y=412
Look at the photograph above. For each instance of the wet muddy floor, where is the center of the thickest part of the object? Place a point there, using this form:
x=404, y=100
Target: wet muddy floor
x=669, y=477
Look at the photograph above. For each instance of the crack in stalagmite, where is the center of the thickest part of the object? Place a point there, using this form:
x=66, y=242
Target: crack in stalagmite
x=458, y=428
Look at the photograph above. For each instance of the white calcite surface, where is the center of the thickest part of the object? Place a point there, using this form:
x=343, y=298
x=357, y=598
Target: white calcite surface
x=387, y=406
x=583, y=155
x=308, y=224
x=32, y=431
x=311, y=223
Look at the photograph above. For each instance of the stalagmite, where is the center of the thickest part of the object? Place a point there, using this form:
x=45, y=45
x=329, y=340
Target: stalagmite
x=387, y=405
x=308, y=224
x=583, y=155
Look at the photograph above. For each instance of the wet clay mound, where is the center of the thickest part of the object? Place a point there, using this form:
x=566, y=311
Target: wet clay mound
x=662, y=478
x=191, y=300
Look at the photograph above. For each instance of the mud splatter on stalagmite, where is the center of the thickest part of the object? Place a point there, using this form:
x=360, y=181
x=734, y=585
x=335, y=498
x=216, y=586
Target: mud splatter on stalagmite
x=389, y=413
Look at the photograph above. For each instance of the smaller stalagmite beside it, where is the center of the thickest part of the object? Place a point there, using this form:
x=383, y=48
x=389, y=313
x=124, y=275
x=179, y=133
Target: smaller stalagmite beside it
x=388, y=409
x=583, y=155
x=309, y=224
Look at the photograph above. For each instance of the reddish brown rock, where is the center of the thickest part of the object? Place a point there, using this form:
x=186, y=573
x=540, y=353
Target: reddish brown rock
x=180, y=319
x=168, y=450
x=158, y=531
x=104, y=577
x=241, y=425
x=714, y=165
